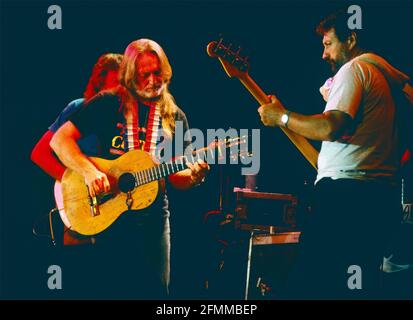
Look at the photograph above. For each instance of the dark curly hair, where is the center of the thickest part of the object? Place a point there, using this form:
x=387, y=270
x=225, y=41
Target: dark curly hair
x=339, y=22
x=105, y=63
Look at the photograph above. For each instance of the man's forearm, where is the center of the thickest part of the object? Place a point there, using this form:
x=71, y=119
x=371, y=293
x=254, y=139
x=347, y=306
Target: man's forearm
x=326, y=126
x=182, y=180
x=70, y=154
x=42, y=155
x=314, y=127
x=64, y=143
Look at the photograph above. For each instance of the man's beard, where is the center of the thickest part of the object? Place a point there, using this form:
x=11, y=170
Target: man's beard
x=151, y=93
x=337, y=64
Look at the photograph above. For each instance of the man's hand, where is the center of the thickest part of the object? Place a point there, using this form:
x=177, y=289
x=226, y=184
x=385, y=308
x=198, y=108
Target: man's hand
x=199, y=170
x=271, y=113
x=97, y=182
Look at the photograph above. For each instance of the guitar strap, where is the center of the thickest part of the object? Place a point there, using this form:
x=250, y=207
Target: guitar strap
x=153, y=123
x=142, y=135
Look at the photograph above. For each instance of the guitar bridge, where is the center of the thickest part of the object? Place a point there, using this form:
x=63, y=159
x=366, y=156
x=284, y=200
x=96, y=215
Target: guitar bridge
x=94, y=202
x=94, y=206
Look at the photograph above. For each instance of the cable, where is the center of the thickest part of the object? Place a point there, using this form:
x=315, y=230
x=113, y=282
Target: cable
x=35, y=225
x=51, y=226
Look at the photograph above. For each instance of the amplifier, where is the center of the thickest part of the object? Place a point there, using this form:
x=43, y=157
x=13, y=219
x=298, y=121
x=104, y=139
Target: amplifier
x=265, y=208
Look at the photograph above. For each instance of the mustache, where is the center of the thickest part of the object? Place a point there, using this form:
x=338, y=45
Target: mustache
x=152, y=90
x=154, y=87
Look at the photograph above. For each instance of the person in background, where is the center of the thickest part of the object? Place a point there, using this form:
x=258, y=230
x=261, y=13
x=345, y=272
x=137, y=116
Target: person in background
x=104, y=76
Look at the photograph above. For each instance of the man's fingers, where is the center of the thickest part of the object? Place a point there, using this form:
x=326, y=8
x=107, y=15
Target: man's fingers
x=98, y=185
x=105, y=184
x=263, y=118
x=197, y=167
x=202, y=165
x=205, y=166
x=190, y=165
x=91, y=190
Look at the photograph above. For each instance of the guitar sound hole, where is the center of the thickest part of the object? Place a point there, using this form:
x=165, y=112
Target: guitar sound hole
x=126, y=182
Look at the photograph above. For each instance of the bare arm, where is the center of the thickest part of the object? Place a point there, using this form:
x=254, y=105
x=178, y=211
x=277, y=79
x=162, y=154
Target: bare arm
x=190, y=177
x=64, y=143
x=327, y=126
x=42, y=155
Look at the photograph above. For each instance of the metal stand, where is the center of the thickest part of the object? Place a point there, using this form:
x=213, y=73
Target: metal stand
x=249, y=265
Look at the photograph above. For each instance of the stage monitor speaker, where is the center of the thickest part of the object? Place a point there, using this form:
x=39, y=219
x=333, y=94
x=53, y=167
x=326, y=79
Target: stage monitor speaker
x=270, y=269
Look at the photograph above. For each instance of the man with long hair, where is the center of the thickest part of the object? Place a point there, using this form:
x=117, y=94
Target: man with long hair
x=134, y=116
x=357, y=198
x=104, y=77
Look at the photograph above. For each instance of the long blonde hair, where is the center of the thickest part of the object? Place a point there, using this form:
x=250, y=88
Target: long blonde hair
x=128, y=76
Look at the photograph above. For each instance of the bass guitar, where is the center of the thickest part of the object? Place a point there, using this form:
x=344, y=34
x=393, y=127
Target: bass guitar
x=237, y=66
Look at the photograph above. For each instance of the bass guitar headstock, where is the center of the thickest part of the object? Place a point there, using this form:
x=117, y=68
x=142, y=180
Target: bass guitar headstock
x=233, y=63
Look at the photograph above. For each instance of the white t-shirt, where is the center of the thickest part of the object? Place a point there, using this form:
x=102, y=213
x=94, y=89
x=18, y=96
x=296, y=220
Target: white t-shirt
x=369, y=150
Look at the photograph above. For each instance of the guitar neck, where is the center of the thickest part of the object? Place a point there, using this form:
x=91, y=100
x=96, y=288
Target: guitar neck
x=159, y=171
x=163, y=170
x=302, y=144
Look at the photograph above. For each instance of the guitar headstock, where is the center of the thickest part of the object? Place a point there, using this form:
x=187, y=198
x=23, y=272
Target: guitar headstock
x=233, y=63
x=216, y=150
x=229, y=142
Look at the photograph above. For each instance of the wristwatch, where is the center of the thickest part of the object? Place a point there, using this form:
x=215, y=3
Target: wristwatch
x=285, y=117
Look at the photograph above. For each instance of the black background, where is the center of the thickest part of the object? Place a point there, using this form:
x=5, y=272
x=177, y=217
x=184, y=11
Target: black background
x=42, y=70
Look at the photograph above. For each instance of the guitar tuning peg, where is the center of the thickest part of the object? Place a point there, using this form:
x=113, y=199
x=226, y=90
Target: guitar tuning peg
x=218, y=46
x=238, y=51
x=245, y=64
x=229, y=54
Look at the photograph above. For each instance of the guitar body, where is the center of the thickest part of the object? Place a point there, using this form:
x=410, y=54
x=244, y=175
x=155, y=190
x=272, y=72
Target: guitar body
x=76, y=202
x=58, y=196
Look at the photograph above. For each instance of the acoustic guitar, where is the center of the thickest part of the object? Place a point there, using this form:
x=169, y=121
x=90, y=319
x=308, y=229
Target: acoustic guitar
x=134, y=180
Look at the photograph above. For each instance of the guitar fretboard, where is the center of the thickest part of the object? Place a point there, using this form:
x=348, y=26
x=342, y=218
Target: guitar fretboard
x=160, y=171
x=165, y=169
